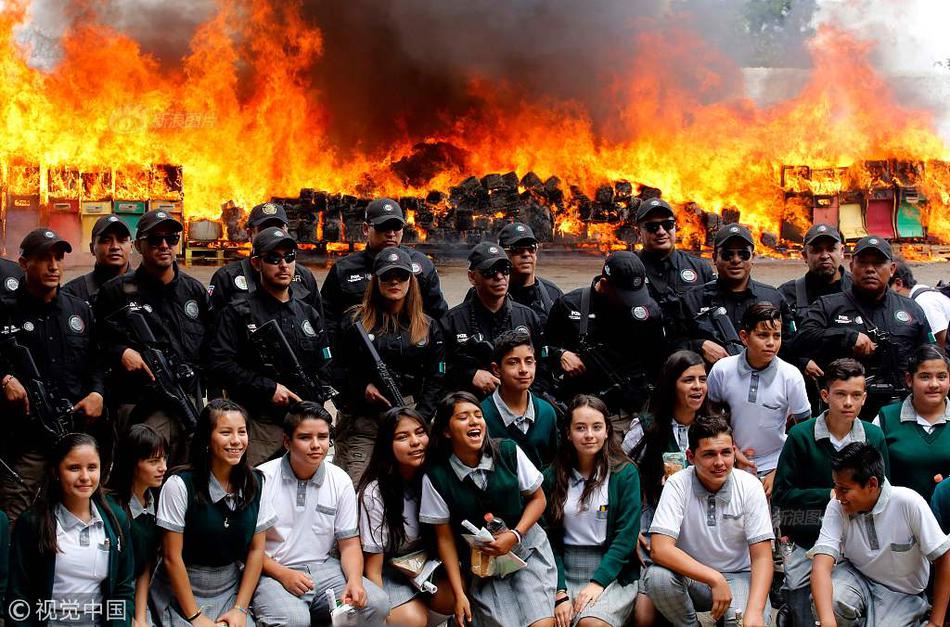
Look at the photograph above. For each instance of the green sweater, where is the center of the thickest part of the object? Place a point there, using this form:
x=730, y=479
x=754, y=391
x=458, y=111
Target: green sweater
x=539, y=443
x=32, y=573
x=802, y=486
x=619, y=562
x=916, y=455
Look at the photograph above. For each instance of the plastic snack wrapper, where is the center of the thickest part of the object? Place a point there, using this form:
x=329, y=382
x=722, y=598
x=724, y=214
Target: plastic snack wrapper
x=341, y=615
x=418, y=568
x=673, y=463
x=486, y=565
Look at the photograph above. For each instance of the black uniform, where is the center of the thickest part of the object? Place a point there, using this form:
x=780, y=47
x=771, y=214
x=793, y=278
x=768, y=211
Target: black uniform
x=88, y=285
x=239, y=277
x=347, y=280
x=540, y=296
x=11, y=275
x=469, y=330
x=669, y=278
x=714, y=294
x=801, y=293
x=631, y=343
x=831, y=328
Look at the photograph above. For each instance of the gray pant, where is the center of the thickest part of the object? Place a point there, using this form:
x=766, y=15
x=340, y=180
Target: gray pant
x=858, y=600
x=797, y=588
x=678, y=598
x=275, y=607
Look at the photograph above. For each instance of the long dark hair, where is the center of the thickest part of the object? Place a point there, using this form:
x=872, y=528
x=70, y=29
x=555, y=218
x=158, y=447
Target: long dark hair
x=609, y=459
x=648, y=453
x=384, y=469
x=141, y=442
x=243, y=480
x=440, y=447
x=51, y=493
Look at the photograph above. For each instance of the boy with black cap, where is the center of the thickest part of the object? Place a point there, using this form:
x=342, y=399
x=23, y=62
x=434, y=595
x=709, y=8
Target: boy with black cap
x=471, y=327
x=175, y=306
x=59, y=331
x=869, y=322
x=526, y=287
x=236, y=365
x=733, y=290
x=346, y=282
x=238, y=278
x=111, y=245
x=608, y=339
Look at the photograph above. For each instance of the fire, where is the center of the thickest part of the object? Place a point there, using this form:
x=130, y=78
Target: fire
x=242, y=120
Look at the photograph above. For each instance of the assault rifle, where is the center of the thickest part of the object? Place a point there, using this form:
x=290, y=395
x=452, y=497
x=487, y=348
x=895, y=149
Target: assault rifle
x=723, y=328
x=171, y=378
x=625, y=391
x=278, y=356
x=390, y=388
x=53, y=414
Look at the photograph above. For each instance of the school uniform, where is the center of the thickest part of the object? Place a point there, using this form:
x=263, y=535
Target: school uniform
x=535, y=432
x=216, y=539
x=802, y=490
x=596, y=542
x=883, y=558
x=918, y=449
x=760, y=402
x=453, y=492
x=678, y=440
x=89, y=581
x=311, y=516
x=715, y=529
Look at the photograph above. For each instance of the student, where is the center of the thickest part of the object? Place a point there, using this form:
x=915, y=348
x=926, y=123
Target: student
x=214, y=521
x=762, y=392
x=594, y=515
x=512, y=411
x=872, y=557
x=711, y=536
x=679, y=397
x=916, y=430
x=315, y=507
x=803, y=482
x=70, y=558
x=469, y=476
x=139, y=471
x=389, y=495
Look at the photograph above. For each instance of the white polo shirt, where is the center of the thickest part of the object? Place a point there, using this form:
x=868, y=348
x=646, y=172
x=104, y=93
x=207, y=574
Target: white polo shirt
x=714, y=529
x=893, y=544
x=374, y=532
x=311, y=514
x=760, y=402
x=636, y=433
x=173, y=504
x=936, y=307
x=82, y=562
x=585, y=526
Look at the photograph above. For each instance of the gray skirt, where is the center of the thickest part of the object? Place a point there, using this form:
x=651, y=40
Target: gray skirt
x=215, y=591
x=521, y=598
x=616, y=601
x=397, y=586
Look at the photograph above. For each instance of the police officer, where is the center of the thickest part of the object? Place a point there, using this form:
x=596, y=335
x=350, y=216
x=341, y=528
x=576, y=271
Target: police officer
x=235, y=364
x=10, y=276
x=111, y=245
x=607, y=339
x=346, y=282
x=868, y=322
x=471, y=327
x=238, y=277
x=733, y=290
x=58, y=329
x=670, y=272
x=525, y=286
x=175, y=305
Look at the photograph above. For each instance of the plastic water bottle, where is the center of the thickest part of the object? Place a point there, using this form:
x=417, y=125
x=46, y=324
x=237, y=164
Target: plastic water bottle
x=495, y=525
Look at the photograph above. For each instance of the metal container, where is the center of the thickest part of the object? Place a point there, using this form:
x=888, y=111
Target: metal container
x=204, y=230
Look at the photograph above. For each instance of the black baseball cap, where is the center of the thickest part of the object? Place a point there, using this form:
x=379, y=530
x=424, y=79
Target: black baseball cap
x=485, y=255
x=271, y=238
x=392, y=258
x=822, y=230
x=873, y=242
x=516, y=233
x=383, y=210
x=267, y=212
x=105, y=223
x=729, y=231
x=625, y=272
x=151, y=219
x=41, y=240
x=653, y=205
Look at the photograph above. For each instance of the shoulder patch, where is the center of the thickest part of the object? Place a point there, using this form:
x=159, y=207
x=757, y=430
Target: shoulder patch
x=641, y=313
x=76, y=324
x=11, y=283
x=308, y=329
x=191, y=309
x=689, y=275
x=28, y=326
x=903, y=316
x=240, y=282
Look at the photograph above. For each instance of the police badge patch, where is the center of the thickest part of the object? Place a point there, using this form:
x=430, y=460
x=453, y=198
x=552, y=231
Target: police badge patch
x=240, y=282
x=11, y=283
x=902, y=316
x=76, y=324
x=191, y=309
x=308, y=329
x=688, y=275
x=416, y=268
x=641, y=313
x=28, y=326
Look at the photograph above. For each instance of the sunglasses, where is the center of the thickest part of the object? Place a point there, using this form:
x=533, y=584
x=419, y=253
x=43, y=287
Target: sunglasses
x=516, y=251
x=399, y=276
x=744, y=254
x=492, y=272
x=273, y=259
x=654, y=227
x=155, y=241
